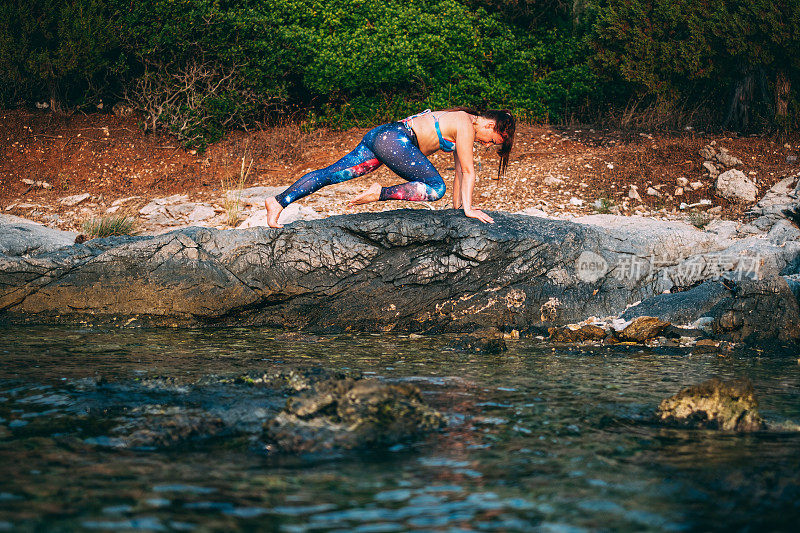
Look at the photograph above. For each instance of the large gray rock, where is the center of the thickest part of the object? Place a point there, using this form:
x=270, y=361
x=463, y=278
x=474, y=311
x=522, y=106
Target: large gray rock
x=773, y=208
x=681, y=307
x=758, y=310
x=23, y=237
x=406, y=270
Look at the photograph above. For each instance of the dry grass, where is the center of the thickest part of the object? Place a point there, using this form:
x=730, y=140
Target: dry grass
x=109, y=226
x=233, y=186
x=639, y=115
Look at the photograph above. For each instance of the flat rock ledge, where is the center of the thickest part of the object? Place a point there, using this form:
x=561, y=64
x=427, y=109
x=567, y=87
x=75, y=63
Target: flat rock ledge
x=412, y=271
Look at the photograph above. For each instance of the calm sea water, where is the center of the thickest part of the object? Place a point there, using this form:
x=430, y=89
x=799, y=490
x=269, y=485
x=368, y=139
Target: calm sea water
x=539, y=438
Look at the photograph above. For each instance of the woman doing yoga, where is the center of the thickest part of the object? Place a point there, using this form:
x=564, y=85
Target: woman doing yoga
x=403, y=147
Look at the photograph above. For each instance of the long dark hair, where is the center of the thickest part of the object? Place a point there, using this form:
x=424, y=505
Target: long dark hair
x=505, y=124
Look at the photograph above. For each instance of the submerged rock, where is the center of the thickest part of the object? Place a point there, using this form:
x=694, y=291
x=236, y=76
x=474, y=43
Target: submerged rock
x=169, y=429
x=486, y=341
x=346, y=414
x=295, y=379
x=714, y=404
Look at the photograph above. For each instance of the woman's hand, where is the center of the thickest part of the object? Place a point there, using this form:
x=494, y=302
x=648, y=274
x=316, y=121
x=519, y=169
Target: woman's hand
x=480, y=215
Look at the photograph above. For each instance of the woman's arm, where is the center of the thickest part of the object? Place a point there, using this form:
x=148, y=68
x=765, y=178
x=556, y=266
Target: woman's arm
x=465, y=137
x=457, y=183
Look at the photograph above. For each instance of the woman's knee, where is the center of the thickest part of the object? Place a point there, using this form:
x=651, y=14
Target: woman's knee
x=438, y=188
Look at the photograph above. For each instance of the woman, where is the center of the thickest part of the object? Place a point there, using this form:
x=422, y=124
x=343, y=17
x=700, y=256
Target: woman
x=403, y=147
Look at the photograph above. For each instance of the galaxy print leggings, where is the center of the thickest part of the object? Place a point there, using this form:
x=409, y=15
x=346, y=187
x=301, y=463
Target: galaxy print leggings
x=388, y=145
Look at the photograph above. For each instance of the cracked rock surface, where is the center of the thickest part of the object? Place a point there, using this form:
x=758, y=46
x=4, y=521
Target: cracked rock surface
x=405, y=270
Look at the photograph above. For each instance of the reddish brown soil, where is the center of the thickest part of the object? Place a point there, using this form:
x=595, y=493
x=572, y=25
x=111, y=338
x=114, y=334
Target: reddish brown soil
x=110, y=158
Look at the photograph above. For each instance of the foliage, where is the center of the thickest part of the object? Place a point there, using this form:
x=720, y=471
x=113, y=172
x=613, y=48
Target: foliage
x=371, y=60
x=739, y=55
x=59, y=51
x=198, y=68
x=190, y=67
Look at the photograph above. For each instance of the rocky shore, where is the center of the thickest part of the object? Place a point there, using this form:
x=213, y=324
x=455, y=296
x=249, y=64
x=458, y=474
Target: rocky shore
x=422, y=271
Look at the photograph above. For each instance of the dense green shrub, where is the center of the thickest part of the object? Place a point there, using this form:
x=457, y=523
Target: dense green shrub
x=358, y=62
x=194, y=67
x=740, y=56
x=200, y=67
x=59, y=51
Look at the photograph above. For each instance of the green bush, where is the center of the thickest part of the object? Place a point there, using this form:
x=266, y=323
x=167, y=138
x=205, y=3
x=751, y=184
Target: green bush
x=198, y=68
x=367, y=61
x=59, y=51
x=739, y=57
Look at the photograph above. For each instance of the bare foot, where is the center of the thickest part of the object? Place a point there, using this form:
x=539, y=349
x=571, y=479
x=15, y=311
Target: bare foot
x=373, y=194
x=273, y=212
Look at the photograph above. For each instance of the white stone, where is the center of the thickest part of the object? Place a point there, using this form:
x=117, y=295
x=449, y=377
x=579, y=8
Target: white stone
x=180, y=210
x=707, y=152
x=678, y=191
x=575, y=201
x=735, y=185
x=199, y=213
x=69, y=201
x=150, y=208
x=653, y=192
x=633, y=193
x=704, y=201
x=552, y=181
x=42, y=184
x=254, y=196
x=682, y=182
x=174, y=199
x=696, y=185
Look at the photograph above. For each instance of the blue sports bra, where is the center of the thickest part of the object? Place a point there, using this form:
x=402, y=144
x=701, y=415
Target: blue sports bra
x=445, y=145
